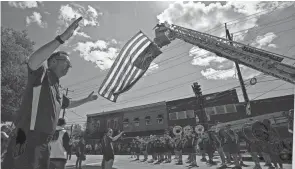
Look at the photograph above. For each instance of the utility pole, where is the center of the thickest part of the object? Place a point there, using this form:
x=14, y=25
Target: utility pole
x=64, y=112
x=198, y=92
x=246, y=98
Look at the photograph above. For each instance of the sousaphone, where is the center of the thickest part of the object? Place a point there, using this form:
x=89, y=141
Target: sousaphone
x=177, y=130
x=199, y=129
x=256, y=131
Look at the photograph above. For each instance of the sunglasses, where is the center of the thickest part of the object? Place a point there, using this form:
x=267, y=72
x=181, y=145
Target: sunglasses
x=67, y=61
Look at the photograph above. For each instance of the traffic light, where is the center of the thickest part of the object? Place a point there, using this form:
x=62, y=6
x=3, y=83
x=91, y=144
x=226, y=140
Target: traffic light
x=197, y=89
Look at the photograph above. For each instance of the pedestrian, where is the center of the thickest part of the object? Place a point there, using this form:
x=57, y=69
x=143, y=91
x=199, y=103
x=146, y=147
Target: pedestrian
x=80, y=153
x=41, y=104
x=107, y=148
x=59, y=146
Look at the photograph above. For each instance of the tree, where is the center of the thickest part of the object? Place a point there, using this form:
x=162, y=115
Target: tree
x=16, y=46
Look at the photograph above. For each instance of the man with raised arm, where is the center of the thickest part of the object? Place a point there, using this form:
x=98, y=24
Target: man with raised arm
x=107, y=148
x=42, y=102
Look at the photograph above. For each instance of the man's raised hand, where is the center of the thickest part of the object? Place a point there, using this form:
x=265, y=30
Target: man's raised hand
x=92, y=97
x=70, y=30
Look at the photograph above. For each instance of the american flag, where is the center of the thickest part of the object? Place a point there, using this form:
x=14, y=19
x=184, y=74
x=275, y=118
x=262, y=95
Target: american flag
x=130, y=65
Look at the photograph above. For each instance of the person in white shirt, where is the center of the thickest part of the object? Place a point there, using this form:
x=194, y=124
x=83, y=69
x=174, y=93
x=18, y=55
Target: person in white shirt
x=59, y=146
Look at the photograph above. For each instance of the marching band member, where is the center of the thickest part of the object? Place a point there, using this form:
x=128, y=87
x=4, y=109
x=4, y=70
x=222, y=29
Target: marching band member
x=137, y=148
x=151, y=148
x=194, y=150
x=230, y=144
x=168, y=146
x=236, y=137
x=178, y=148
x=133, y=148
x=208, y=146
x=144, y=144
x=157, y=146
x=253, y=147
x=218, y=146
x=273, y=156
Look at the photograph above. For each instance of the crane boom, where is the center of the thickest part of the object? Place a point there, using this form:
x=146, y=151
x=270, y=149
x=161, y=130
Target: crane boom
x=258, y=59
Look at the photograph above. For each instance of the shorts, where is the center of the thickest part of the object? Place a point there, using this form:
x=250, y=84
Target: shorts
x=60, y=164
x=29, y=151
x=109, y=156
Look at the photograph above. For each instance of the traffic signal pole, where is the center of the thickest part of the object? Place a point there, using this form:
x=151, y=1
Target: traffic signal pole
x=198, y=93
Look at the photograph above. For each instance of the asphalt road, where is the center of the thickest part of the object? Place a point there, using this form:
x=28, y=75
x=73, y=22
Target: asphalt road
x=125, y=162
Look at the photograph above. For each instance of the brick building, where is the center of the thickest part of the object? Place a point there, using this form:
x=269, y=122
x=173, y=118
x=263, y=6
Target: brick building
x=135, y=121
x=187, y=111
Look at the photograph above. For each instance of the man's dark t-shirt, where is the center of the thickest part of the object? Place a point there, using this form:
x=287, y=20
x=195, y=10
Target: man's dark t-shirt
x=41, y=102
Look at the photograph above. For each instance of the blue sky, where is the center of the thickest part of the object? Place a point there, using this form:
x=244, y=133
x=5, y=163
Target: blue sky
x=108, y=25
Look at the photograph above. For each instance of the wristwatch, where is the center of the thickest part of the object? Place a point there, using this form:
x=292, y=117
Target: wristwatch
x=59, y=40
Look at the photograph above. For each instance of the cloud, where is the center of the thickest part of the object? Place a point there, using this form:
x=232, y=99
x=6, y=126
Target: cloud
x=213, y=74
x=100, y=52
x=68, y=13
x=83, y=34
x=37, y=18
x=272, y=45
x=201, y=17
x=218, y=68
x=24, y=4
x=265, y=40
x=103, y=54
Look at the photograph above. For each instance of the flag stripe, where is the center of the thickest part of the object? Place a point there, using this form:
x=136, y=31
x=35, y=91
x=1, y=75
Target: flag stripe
x=129, y=63
x=126, y=73
x=127, y=78
x=125, y=56
x=111, y=86
x=137, y=76
x=117, y=61
x=132, y=76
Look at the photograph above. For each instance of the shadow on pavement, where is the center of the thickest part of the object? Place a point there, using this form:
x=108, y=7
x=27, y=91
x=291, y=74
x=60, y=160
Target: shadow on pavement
x=86, y=167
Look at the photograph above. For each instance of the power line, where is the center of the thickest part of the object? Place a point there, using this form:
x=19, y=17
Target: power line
x=269, y=91
x=206, y=31
x=164, y=60
x=177, y=56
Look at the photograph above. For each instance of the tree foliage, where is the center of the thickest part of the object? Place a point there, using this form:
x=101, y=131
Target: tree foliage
x=16, y=46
